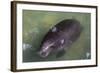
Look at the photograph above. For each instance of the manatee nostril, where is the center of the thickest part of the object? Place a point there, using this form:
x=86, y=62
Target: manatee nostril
x=43, y=53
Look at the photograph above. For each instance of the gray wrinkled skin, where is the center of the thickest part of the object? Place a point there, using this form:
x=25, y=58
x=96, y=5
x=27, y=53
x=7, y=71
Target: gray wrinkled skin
x=60, y=36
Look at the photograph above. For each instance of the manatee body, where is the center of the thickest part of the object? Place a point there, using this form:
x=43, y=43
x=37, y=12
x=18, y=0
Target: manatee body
x=60, y=36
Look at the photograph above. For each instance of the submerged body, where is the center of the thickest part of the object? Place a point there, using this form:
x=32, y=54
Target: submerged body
x=60, y=36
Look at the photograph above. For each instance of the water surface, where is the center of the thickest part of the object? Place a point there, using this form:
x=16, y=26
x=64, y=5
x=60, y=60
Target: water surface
x=37, y=23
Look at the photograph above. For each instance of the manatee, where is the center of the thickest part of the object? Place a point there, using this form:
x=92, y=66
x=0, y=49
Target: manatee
x=61, y=35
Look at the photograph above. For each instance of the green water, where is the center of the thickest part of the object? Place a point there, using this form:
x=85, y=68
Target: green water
x=37, y=23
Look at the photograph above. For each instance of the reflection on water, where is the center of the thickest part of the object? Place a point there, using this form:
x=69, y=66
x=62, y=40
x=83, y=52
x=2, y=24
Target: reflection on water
x=37, y=23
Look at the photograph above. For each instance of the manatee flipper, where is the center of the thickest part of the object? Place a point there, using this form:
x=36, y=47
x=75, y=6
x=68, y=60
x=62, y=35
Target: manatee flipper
x=60, y=53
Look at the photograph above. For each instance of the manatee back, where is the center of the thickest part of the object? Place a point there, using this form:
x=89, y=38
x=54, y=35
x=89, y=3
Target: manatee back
x=70, y=28
x=67, y=28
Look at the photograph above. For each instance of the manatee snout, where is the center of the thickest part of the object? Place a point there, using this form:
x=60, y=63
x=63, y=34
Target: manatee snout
x=43, y=54
x=44, y=51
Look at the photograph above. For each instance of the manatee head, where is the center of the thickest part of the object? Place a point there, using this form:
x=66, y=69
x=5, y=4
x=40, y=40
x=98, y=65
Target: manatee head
x=45, y=49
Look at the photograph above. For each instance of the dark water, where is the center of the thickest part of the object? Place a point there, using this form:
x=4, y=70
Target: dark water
x=37, y=23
